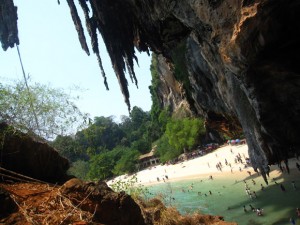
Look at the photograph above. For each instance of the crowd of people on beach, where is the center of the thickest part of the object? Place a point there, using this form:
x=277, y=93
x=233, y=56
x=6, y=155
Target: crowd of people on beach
x=236, y=162
x=252, y=195
x=244, y=164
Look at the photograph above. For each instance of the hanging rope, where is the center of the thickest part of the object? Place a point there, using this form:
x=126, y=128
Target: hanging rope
x=29, y=94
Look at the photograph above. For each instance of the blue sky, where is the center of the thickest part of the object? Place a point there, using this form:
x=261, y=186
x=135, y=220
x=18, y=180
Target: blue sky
x=51, y=54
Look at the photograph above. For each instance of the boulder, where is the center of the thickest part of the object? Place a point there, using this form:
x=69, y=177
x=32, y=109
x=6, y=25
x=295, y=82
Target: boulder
x=7, y=205
x=23, y=154
x=108, y=207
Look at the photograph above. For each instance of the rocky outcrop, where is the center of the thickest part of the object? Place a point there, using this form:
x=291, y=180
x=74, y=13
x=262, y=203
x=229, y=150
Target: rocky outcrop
x=7, y=206
x=24, y=155
x=170, y=91
x=241, y=59
x=81, y=203
x=108, y=207
x=8, y=24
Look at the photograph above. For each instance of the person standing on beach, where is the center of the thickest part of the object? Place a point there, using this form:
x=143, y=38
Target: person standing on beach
x=252, y=208
x=282, y=188
x=294, y=185
x=254, y=193
x=298, y=212
x=292, y=221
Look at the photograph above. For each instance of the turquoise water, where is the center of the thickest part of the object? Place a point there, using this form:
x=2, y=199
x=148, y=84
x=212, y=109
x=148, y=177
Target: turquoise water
x=228, y=197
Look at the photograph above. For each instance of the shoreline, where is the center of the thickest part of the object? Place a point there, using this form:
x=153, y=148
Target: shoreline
x=190, y=189
x=201, y=167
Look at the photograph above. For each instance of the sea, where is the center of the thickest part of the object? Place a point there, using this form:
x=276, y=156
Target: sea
x=227, y=197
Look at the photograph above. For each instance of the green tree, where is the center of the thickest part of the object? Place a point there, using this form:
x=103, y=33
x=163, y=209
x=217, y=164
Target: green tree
x=127, y=162
x=79, y=169
x=53, y=112
x=183, y=133
x=101, y=166
x=68, y=147
x=103, y=133
x=165, y=151
x=137, y=130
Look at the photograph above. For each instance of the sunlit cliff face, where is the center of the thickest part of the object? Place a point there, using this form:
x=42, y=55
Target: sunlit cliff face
x=241, y=57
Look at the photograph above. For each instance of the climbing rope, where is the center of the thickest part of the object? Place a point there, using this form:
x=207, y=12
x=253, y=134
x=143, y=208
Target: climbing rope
x=29, y=93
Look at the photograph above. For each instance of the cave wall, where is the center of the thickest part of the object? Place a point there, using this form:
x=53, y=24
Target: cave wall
x=241, y=57
x=242, y=63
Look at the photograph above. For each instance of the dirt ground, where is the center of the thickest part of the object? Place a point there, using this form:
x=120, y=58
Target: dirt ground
x=42, y=204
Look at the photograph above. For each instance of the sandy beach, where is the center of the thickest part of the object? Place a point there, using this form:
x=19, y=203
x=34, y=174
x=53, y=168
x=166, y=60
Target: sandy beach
x=201, y=167
x=227, y=187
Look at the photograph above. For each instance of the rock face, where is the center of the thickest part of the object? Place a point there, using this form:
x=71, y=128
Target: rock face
x=242, y=63
x=109, y=207
x=8, y=24
x=21, y=154
x=7, y=206
x=241, y=59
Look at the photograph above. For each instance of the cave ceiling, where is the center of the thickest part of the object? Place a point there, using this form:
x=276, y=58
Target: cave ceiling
x=242, y=58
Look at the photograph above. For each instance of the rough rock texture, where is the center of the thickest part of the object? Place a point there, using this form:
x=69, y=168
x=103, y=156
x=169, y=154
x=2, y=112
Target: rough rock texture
x=8, y=24
x=109, y=207
x=21, y=154
x=170, y=91
x=80, y=203
x=241, y=57
x=7, y=205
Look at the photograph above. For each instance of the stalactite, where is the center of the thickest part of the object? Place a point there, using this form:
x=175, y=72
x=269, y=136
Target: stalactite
x=130, y=70
x=118, y=38
x=92, y=30
x=8, y=24
x=102, y=71
x=78, y=25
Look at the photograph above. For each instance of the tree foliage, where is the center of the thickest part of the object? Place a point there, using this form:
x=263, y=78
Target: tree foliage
x=165, y=151
x=127, y=163
x=101, y=166
x=68, y=148
x=182, y=134
x=79, y=169
x=118, y=161
x=55, y=111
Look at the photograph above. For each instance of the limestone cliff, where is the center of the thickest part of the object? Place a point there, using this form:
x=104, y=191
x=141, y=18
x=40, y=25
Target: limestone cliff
x=241, y=60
